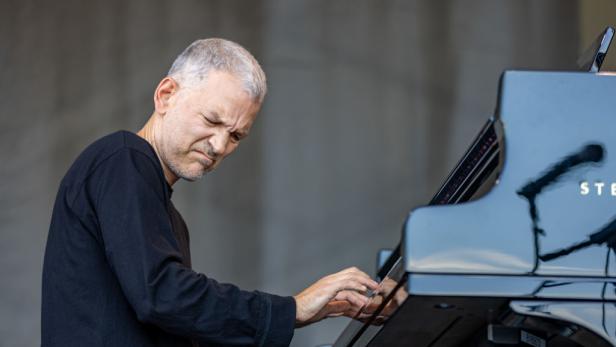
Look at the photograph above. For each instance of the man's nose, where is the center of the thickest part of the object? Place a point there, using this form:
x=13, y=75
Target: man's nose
x=218, y=143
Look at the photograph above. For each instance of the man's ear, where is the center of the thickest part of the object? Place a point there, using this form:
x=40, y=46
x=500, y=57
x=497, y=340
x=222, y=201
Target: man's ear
x=163, y=93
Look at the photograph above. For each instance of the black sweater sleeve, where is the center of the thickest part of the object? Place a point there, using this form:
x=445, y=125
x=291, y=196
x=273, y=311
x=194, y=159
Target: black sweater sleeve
x=132, y=210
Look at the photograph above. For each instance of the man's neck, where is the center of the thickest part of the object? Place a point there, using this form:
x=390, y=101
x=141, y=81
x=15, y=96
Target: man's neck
x=149, y=133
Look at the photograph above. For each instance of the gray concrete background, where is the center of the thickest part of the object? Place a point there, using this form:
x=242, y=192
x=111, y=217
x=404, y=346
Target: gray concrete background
x=371, y=103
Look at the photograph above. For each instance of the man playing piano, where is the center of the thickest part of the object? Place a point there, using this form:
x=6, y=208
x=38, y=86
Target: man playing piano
x=117, y=268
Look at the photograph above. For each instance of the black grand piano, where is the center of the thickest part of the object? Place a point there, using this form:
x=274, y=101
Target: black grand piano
x=517, y=248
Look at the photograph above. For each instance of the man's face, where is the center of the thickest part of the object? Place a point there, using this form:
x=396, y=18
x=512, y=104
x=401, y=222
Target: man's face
x=205, y=123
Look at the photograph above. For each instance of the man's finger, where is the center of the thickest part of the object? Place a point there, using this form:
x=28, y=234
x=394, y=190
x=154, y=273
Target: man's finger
x=337, y=308
x=354, y=298
x=357, y=283
x=355, y=272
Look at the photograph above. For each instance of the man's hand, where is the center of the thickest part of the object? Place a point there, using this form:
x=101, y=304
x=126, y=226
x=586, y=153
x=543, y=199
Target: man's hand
x=334, y=295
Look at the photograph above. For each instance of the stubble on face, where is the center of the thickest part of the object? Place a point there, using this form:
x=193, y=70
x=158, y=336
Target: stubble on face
x=177, y=150
x=190, y=172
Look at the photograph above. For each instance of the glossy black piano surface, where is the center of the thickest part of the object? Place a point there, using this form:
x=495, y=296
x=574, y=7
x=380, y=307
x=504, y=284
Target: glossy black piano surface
x=516, y=248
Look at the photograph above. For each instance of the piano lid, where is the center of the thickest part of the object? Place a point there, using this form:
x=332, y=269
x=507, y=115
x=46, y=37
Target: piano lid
x=552, y=211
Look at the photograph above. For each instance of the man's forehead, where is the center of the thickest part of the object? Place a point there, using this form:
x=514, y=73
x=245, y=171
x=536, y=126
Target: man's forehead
x=221, y=105
x=222, y=91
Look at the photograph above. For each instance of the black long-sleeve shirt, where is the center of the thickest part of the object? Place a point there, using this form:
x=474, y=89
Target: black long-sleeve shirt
x=117, y=266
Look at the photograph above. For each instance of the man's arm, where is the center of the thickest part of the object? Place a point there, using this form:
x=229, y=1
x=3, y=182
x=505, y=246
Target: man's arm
x=144, y=255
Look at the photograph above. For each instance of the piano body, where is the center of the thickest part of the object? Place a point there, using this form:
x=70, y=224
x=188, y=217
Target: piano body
x=516, y=248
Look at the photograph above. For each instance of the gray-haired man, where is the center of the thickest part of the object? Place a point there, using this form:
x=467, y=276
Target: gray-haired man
x=117, y=266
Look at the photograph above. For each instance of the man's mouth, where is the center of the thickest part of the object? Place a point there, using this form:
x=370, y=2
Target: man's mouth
x=208, y=161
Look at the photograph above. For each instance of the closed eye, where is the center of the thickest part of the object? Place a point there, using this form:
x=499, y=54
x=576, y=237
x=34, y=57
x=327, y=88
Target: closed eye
x=236, y=137
x=212, y=120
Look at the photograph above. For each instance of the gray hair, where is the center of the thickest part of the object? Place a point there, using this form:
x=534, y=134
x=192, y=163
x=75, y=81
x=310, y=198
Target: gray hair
x=205, y=55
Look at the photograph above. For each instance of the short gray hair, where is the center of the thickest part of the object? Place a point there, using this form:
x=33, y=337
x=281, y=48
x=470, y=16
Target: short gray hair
x=205, y=55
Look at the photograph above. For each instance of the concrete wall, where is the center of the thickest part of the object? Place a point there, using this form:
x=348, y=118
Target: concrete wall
x=370, y=105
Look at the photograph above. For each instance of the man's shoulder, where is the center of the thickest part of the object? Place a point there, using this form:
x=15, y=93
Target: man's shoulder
x=110, y=144
x=121, y=147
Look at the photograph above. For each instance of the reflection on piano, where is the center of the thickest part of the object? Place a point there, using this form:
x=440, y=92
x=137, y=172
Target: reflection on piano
x=514, y=249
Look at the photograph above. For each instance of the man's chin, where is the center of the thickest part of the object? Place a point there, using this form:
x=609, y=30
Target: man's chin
x=193, y=175
x=193, y=178
x=196, y=172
